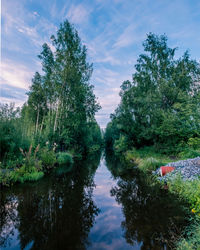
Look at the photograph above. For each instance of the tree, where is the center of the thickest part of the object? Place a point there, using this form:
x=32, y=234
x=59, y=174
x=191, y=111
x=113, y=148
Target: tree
x=161, y=105
x=62, y=100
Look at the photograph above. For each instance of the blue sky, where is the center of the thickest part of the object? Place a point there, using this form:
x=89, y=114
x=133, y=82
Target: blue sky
x=112, y=30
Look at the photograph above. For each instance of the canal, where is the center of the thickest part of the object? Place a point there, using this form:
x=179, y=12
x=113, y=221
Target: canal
x=99, y=204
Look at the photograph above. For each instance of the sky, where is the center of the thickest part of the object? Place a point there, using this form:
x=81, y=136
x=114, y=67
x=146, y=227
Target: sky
x=112, y=30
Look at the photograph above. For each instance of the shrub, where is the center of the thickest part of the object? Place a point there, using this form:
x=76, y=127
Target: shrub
x=194, y=142
x=133, y=156
x=5, y=178
x=120, y=145
x=30, y=158
x=64, y=158
x=189, y=153
x=48, y=158
x=32, y=176
x=188, y=190
x=150, y=164
x=94, y=148
x=192, y=240
x=21, y=175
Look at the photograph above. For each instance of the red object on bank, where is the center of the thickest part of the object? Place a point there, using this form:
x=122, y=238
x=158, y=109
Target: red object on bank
x=165, y=169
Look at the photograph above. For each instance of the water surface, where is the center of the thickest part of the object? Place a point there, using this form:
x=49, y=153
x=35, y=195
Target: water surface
x=98, y=205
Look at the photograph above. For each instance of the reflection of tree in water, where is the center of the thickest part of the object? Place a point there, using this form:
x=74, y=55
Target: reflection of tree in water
x=152, y=216
x=57, y=212
x=8, y=218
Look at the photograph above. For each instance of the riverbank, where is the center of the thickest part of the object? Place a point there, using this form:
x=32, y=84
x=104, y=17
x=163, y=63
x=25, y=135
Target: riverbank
x=184, y=181
x=34, y=164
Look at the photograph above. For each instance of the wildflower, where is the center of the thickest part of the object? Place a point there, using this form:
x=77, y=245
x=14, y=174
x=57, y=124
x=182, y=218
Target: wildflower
x=193, y=210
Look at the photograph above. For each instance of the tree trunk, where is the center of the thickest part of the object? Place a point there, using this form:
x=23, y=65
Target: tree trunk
x=37, y=120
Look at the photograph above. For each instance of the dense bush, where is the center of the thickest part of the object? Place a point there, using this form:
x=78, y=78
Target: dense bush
x=150, y=164
x=192, y=240
x=21, y=175
x=189, y=153
x=64, y=158
x=120, y=145
x=194, y=142
x=48, y=158
x=190, y=192
x=11, y=133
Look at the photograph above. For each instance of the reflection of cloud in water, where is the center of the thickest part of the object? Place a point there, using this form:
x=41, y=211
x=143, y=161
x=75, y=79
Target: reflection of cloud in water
x=107, y=232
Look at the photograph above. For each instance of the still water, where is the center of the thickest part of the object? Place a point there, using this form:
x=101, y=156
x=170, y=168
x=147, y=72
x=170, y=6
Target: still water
x=99, y=204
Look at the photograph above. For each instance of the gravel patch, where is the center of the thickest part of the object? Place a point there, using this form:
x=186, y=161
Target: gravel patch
x=188, y=169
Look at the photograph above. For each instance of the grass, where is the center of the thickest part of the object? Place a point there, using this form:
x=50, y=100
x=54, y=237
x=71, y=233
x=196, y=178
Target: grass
x=33, y=165
x=64, y=158
x=192, y=240
x=187, y=190
x=190, y=192
x=147, y=160
x=19, y=175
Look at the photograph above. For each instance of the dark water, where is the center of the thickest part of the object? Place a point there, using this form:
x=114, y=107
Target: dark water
x=97, y=205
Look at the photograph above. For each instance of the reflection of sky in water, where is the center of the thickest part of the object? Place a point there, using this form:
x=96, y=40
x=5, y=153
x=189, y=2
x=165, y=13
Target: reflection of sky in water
x=107, y=232
x=14, y=243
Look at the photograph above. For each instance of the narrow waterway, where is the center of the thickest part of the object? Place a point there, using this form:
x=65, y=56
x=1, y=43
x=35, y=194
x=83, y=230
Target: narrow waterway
x=100, y=204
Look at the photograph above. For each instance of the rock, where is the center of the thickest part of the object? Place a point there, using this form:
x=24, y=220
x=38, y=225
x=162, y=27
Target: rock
x=188, y=169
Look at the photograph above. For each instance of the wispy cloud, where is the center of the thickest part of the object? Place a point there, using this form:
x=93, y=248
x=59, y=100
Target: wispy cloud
x=112, y=31
x=128, y=37
x=16, y=75
x=78, y=14
x=12, y=94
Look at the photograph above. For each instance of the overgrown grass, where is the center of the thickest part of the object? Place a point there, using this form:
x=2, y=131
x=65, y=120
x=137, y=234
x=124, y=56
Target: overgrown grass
x=48, y=158
x=150, y=164
x=147, y=160
x=21, y=175
x=189, y=153
x=64, y=158
x=192, y=240
x=33, y=165
x=188, y=190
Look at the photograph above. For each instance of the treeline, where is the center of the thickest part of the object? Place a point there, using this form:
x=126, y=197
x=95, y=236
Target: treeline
x=60, y=112
x=160, y=107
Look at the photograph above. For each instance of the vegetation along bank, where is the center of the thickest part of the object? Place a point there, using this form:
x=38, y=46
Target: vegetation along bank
x=57, y=123
x=158, y=121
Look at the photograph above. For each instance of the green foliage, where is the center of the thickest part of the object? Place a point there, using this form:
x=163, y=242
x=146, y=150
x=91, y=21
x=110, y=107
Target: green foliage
x=161, y=106
x=5, y=178
x=120, y=145
x=30, y=159
x=48, y=158
x=188, y=190
x=189, y=153
x=61, y=102
x=194, y=142
x=11, y=132
x=60, y=110
x=21, y=175
x=149, y=164
x=64, y=158
x=132, y=156
x=193, y=238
